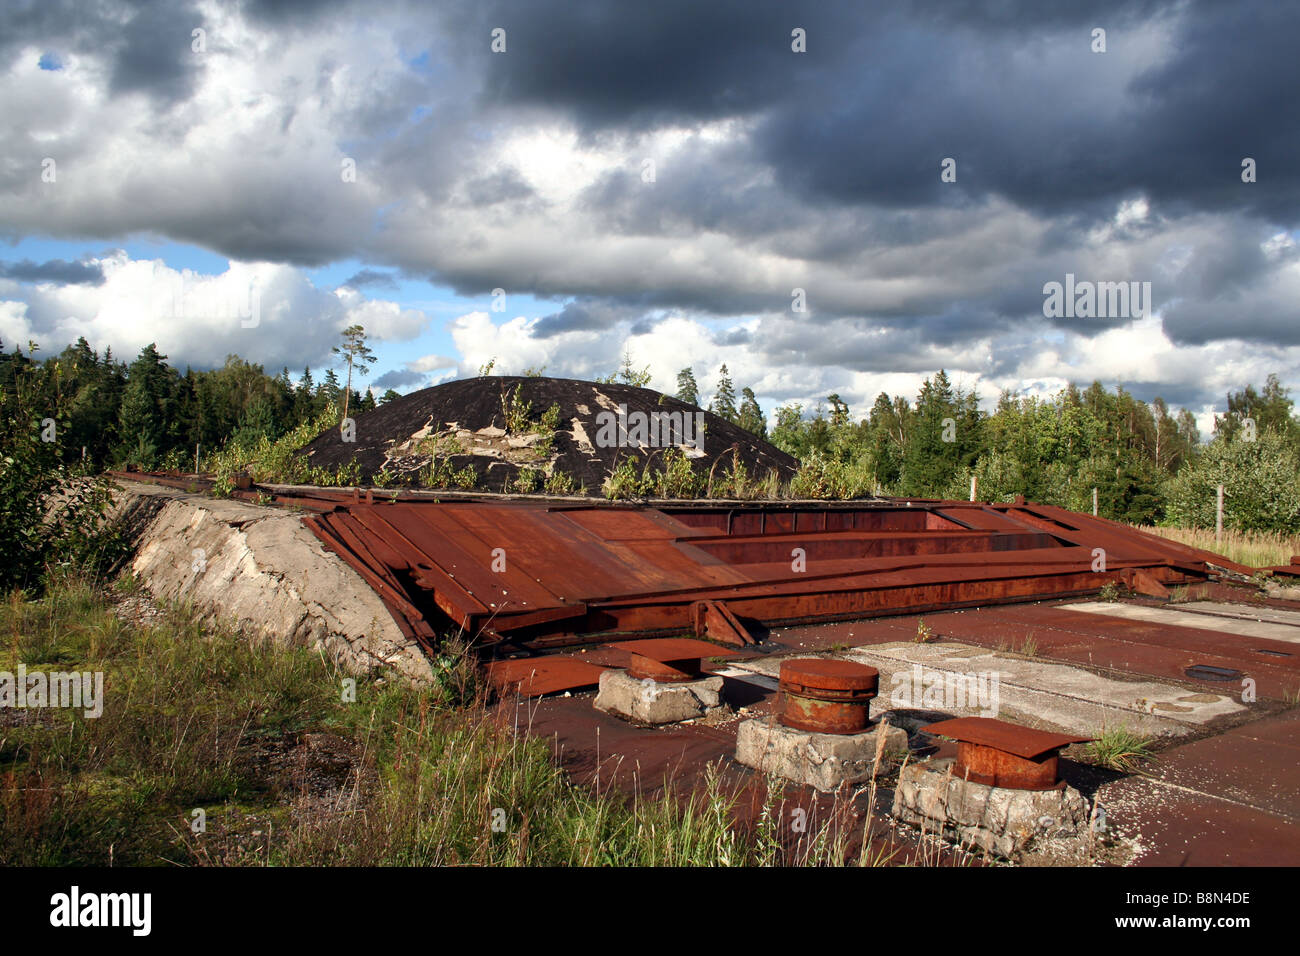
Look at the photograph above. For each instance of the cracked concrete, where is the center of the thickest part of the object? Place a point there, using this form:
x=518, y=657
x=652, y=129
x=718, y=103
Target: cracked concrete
x=261, y=570
x=1046, y=695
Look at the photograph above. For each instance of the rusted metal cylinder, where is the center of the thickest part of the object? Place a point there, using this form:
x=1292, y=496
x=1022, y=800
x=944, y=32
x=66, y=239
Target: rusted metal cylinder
x=998, y=754
x=997, y=768
x=827, y=696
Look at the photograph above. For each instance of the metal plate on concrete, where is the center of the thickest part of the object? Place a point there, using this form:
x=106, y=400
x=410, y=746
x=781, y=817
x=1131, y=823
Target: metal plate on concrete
x=536, y=676
x=1000, y=735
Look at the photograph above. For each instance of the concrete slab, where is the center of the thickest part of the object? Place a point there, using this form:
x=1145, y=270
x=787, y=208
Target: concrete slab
x=650, y=702
x=1224, y=624
x=1029, y=692
x=1245, y=612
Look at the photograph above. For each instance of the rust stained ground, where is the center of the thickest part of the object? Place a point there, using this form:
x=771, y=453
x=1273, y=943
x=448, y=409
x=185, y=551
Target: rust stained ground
x=1231, y=798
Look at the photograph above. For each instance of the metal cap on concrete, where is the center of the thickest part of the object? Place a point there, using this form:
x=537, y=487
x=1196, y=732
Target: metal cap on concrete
x=669, y=660
x=818, y=676
x=1000, y=735
x=998, y=754
x=827, y=696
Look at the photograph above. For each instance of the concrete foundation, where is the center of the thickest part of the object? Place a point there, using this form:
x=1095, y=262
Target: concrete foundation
x=1003, y=822
x=261, y=570
x=816, y=760
x=650, y=702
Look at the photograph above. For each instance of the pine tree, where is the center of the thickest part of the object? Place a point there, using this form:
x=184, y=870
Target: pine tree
x=357, y=355
x=687, y=390
x=329, y=391
x=304, y=398
x=724, y=399
x=750, y=416
x=631, y=376
x=145, y=411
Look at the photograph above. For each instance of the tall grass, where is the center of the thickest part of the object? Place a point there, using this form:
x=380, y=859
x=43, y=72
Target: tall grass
x=1253, y=548
x=203, y=718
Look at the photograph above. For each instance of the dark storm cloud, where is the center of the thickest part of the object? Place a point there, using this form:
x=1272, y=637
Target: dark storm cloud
x=1030, y=129
x=580, y=316
x=400, y=378
x=636, y=64
x=884, y=94
x=54, y=270
x=371, y=278
x=148, y=42
x=156, y=54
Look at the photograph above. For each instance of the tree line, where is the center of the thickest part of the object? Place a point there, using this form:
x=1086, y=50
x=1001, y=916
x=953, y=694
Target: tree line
x=1146, y=461
x=150, y=414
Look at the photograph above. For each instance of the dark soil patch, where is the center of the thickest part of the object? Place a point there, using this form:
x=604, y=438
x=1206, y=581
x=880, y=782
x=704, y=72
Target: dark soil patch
x=467, y=424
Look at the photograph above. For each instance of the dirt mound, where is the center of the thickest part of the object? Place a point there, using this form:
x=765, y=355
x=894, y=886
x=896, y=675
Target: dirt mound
x=545, y=435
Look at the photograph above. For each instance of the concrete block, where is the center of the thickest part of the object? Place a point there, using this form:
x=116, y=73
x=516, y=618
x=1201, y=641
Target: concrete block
x=261, y=570
x=1003, y=822
x=650, y=702
x=817, y=760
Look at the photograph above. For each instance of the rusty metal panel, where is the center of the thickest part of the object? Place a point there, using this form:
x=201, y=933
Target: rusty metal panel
x=1000, y=735
x=674, y=649
x=547, y=573
x=714, y=619
x=537, y=676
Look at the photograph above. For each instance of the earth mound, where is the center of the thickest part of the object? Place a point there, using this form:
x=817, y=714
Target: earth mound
x=546, y=435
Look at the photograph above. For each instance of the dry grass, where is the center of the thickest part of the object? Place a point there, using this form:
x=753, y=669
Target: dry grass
x=1253, y=548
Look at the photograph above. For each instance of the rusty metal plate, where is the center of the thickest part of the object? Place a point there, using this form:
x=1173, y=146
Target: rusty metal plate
x=537, y=676
x=1000, y=735
x=664, y=672
x=666, y=649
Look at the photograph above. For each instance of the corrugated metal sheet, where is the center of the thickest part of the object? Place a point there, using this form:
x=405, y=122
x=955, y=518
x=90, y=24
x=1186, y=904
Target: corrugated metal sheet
x=545, y=575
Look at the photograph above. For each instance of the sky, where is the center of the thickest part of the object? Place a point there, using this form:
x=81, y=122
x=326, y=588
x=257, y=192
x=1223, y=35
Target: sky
x=826, y=197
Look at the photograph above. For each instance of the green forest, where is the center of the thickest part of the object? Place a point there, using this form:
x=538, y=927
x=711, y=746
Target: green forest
x=1147, y=461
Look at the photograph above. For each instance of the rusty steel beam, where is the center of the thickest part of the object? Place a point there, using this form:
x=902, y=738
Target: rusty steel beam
x=543, y=573
x=714, y=619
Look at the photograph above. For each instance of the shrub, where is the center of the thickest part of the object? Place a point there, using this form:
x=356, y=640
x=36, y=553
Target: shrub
x=1261, y=486
x=54, y=518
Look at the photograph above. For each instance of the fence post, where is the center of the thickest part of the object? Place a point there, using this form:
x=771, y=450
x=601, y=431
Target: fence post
x=973, y=483
x=1094, y=502
x=196, y=459
x=1218, y=514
